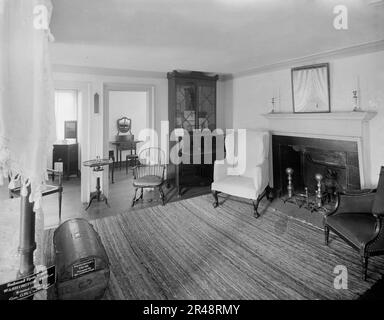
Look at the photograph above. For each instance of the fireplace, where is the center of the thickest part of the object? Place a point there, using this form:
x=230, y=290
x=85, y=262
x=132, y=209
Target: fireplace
x=336, y=160
x=345, y=135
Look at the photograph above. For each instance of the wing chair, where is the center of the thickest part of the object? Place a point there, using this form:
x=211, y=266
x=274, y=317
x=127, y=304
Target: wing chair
x=358, y=220
x=251, y=182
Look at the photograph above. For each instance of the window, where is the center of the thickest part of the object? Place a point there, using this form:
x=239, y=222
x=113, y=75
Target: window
x=65, y=109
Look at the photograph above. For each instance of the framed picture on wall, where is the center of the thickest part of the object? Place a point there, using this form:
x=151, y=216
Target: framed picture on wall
x=70, y=129
x=310, y=88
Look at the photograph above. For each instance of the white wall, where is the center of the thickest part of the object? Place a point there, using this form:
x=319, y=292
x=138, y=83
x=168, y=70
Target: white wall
x=248, y=97
x=130, y=104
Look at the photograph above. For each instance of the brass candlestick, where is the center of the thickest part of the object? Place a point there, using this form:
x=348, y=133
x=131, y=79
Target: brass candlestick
x=319, y=202
x=289, y=172
x=356, y=102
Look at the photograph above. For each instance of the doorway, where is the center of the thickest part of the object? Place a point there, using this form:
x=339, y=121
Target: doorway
x=134, y=102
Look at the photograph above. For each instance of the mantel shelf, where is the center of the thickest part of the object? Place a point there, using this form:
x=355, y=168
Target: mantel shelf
x=351, y=115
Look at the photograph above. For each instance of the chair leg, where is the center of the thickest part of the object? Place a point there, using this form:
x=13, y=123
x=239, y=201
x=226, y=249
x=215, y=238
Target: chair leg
x=257, y=202
x=162, y=197
x=60, y=201
x=216, y=202
x=364, y=267
x=255, y=207
x=134, y=198
x=269, y=193
x=326, y=234
x=142, y=194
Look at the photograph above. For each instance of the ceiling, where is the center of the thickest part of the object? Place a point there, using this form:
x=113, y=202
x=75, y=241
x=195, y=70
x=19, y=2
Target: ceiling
x=225, y=36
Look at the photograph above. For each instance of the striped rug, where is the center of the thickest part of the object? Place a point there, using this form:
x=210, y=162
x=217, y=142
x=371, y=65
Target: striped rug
x=189, y=250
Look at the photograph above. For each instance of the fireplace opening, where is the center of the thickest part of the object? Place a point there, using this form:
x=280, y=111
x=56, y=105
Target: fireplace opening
x=336, y=162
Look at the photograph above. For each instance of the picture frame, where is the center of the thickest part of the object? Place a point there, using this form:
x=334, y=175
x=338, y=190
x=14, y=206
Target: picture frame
x=311, y=89
x=70, y=130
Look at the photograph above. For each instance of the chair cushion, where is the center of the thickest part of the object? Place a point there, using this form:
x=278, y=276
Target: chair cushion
x=147, y=181
x=358, y=228
x=238, y=186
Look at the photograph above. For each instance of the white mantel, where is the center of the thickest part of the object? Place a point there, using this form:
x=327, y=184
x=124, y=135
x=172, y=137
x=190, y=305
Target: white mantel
x=333, y=124
x=349, y=126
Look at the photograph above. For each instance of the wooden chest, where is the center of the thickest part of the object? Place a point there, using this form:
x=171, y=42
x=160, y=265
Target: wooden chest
x=81, y=261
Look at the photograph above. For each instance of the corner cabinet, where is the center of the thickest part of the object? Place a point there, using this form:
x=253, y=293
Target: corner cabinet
x=192, y=106
x=192, y=100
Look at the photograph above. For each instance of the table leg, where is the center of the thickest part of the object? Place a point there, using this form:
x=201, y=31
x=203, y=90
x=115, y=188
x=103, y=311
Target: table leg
x=117, y=154
x=178, y=181
x=98, y=188
x=97, y=195
x=113, y=168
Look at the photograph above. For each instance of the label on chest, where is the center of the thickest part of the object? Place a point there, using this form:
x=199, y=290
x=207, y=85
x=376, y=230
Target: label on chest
x=83, y=267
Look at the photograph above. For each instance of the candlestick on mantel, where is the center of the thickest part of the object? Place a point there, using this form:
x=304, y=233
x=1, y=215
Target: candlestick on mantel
x=356, y=95
x=273, y=105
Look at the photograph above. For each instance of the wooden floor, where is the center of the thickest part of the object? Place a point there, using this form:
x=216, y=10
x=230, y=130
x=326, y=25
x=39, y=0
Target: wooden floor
x=120, y=198
x=189, y=250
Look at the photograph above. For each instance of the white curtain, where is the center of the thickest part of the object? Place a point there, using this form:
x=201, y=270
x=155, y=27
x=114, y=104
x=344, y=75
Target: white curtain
x=310, y=90
x=27, y=120
x=65, y=109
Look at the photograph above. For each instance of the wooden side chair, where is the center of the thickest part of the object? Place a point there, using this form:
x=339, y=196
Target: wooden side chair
x=149, y=174
x=50, y=189
x=131, y=159
x=358, y=220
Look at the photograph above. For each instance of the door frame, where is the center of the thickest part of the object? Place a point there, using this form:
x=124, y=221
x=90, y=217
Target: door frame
x=83, y=128
x=150, y=117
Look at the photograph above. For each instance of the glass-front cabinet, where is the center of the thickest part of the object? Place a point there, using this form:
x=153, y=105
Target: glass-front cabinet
x=192, y=106
x=192, y=100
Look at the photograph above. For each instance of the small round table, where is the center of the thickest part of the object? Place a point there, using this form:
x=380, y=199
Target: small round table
x=97, y=166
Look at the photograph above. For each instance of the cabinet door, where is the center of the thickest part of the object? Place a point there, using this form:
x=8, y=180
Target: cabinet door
x=59, y=153
x=206, y=107
x=73, y=160
x=185, y=106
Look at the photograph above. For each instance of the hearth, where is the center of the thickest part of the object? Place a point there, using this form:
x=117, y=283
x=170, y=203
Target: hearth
x=320, y=167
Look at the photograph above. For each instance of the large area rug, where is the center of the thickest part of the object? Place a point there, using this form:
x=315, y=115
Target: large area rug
x=189, y=250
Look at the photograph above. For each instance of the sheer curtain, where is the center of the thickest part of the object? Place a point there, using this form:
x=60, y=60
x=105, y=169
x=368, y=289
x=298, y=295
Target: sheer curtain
x=27, y=120
x=310, y=89
x=65, y=109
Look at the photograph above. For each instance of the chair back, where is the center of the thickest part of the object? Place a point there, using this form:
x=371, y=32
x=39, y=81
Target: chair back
x=378, y=203
x=152, y=163
x=256, y=146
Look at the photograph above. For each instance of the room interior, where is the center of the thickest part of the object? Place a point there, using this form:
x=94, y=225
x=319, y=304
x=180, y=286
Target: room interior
x=304, y=100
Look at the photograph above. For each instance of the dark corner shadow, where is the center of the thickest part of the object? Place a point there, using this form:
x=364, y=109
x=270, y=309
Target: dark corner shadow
x=376, y=292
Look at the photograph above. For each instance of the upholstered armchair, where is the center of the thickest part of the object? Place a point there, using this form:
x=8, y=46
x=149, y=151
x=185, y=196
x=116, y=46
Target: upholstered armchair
x=250, y=181
x=358, y=220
